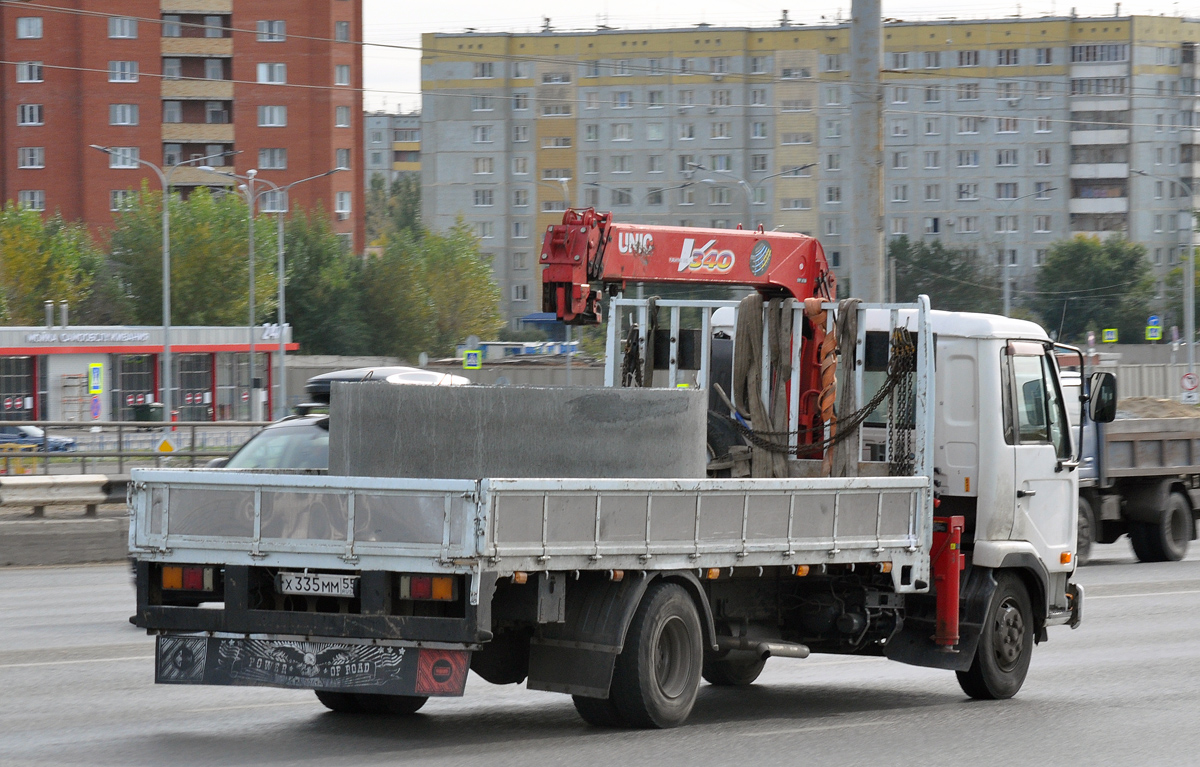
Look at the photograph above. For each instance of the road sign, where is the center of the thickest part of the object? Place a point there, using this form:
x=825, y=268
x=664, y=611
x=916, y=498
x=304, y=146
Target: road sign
x=1154, y=321
x=1190, y=381
x=96, y=378
x=1190, y=398
x=95, y=407
x=165, y=445
x=1153, y=333
x=473, y=359
x=1110, y=336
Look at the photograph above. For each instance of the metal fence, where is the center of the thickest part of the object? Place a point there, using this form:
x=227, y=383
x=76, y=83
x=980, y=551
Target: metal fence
x=115, y=447
x=1148, y=380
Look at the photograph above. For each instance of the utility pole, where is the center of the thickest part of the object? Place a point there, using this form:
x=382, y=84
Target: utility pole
x=866, y=151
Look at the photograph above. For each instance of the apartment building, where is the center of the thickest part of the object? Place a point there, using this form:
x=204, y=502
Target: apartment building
x=1000, y=136
x=264, y=85
x=392, y=145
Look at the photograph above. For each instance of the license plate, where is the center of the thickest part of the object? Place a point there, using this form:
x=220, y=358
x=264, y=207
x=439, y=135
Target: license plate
x=317, y=584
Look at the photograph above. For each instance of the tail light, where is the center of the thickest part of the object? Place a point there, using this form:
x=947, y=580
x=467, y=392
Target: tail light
x=176, y=578
x=427, y=587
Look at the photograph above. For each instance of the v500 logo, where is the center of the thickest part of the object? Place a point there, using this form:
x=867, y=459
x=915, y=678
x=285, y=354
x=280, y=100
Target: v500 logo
x=705, y=258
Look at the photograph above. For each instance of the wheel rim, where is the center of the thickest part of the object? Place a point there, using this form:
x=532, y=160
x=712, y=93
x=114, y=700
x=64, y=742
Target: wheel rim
x=1009, y=634
x=671, y=669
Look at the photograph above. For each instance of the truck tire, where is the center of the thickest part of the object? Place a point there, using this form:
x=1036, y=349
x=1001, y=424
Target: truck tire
x=1085, y=534
x=733, y=672
x=365, y=703
x=657, y=674
x=598, y=712
x=1167, y=539
x=1005, y=646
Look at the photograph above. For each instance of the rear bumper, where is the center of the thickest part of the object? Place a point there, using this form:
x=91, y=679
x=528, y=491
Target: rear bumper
x=310, y=664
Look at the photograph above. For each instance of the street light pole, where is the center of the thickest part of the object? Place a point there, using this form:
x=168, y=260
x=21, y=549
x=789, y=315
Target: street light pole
x=1189, y=270
x=164, y=178
x=747, y=187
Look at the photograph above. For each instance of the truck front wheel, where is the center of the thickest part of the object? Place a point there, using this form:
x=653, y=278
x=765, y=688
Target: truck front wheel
x=733, y=671
x=1005, y=646
x=366, y=703
x=657, y=674
x=1167, y=539
x=1085, y=532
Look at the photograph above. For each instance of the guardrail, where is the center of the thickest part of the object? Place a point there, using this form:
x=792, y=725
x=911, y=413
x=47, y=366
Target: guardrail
x=123, y=443
x=39, y=491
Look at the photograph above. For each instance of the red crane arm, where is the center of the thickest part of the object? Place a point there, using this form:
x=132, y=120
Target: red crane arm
x=588, y=248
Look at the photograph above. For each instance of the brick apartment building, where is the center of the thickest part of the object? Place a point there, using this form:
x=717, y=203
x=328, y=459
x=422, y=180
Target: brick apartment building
x=168, y=81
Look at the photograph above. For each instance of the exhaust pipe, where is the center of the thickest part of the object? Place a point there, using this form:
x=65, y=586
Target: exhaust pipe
x=762, y=649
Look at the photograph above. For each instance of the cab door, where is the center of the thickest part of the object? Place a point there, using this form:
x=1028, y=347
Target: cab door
x=1043, y=460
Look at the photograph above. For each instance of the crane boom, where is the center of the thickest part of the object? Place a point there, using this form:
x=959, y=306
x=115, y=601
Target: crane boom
x=589, y=248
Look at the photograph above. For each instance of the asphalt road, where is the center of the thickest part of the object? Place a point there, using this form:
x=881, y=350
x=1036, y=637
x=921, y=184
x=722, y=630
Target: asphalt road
x=76, y=687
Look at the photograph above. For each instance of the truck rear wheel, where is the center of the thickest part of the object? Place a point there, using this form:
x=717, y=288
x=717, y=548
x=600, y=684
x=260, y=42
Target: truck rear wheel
x=1005, y=646
x=657, y=674
x=366, y=703
x=1167, y=539
x=598, y=712
x=1085, y=534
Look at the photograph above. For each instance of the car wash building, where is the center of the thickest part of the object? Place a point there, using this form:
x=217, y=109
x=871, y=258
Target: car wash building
x=106, y=373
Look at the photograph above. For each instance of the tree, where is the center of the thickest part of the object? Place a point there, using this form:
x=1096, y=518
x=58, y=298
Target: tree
x=324, y=304
x=209, y=258
x=376, y=208
x=428, y=292
x=404, y=203
x=954, y=280
x=1086, y=284
x=42, y=259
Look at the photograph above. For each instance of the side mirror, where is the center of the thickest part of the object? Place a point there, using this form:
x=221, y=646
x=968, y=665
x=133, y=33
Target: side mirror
x=217, y=463
x=1102, y=400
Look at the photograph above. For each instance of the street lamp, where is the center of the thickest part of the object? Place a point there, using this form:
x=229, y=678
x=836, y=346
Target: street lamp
x=251, y=198
x=1006, y=264
x=1189, y=270
x=747, y=187
x=165, y=179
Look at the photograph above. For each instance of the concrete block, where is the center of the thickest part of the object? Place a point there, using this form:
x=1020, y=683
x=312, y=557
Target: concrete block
x=63, y=541
x=472, y=432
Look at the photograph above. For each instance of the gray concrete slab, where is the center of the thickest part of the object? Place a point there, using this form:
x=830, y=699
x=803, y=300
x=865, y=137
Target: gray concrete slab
x=470, y=432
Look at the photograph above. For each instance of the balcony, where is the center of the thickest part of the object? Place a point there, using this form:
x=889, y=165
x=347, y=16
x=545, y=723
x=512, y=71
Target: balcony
x=1100, y=170
x=197, y=133
x=197, y=46
x=187, y=175
x=1098, y=205
x=223, y=7
x=1120, y=136
x=1099, y=69
x=197, y=90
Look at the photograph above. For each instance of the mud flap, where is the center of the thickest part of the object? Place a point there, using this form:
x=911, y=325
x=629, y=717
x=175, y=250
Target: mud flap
x=914, y=645
x=306, y=665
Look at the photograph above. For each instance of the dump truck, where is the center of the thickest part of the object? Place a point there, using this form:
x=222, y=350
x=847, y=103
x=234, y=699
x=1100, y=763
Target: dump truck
x=836, y=477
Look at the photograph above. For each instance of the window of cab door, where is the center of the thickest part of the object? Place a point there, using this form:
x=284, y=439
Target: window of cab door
x=1033, y=402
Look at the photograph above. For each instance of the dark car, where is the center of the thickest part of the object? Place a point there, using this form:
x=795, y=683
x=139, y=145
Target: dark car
x=296, y=442
x=34, y=435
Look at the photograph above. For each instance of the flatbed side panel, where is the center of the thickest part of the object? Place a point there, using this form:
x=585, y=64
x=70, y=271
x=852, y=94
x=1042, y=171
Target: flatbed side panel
x=1146, y=447
x=682, y=524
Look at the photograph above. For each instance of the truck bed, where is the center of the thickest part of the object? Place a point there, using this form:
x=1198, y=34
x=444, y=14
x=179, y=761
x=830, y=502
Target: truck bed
x=1145, y=447
x=502, y=526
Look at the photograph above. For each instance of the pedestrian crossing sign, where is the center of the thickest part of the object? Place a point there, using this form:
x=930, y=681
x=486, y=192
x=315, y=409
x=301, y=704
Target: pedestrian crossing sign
x=1153, y=333
x=472, y=359
x=1110, y=336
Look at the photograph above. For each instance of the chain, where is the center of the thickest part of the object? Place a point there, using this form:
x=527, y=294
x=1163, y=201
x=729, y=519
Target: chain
x=631, y=361
x=901, y=415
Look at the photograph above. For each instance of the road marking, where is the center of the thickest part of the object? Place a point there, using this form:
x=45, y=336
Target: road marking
x=1088, y=598
x=67, y=662
x=818, y=728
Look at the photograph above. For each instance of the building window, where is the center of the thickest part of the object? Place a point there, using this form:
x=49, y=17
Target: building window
x=1044, y=56
x=122, y=28
x=122, y=71
x=556, y=174
x=554, y=78
x=342, y=203
x=520, y=230
x=29, y=27
x=556, y=142
x=933, y=59
x=172, y=154
x=654, y=197
x=31, y=157
x=1008, y=125
x=126, y=114
x=899, y=226
x=556, y=110
x=520, y=198
x=833, y=194
x=933, y=225
x=29, y=114
x=215, y=113
x=484, y=70
x=1042, y=190
x=654, y=163
x=622, y=99
x=968, y=191
x=1006, y=157
x=900, y=60
x=520, y=166
x=119, y=199
x=268, y=116
x=341, y=31
x=172, y=69
x=722, y=98
x=520, y=134
x=758, y=97
x=687, y=131
x=406, y=134
x=214, y=26
x=273, y=31
x=1043, y=124
x=214, y=69
x=1006, y=191
x=933, y=159
x=1043, y=157
x=341, y=117
x=900, y=128
x=274, y=201
x=1044, y=89
x=341, y=74
x=719, y=195
x=123, y=157
x=832, y=62
x=554, y=206
x=272, y=159
x=968, y=91
x=833, y=129
x=1008, y=91
x=968, y=58
x=968, y=125
x=484, y=165
x=933, y=192
x=933, y=94
x=622, y=197
x=272, y=74
x=1008, y=57
x=1098, y=86
x=1041, y=223
x=171, y=26
x=31, y=199
x=722, y=163
x=655, y=132
x=482, y=134
x=968, y=158
x=833, y=95
x=687, y=98
x=796, y=138
x=622, y=132
x=718, y=65
x=758, y=163
x=342, y=158
x=722, y=130
x=899, y=160
x=968, y=225
x=1006, y=224
x=1086, y=54
x=483, y=198
x=900, y=193
x=795, y=203
x=520, y=101
x=520, y=292
x=833, y=161
x=481, y=103
x=621, y=164
x=29, y=72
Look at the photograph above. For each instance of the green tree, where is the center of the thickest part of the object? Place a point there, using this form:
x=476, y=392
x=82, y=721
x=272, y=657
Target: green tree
x=377, y=208
x=404, y=203
x=428, y=292
x=324, y=285
x=1086, y=284
x=43, y=259
x=209, y=258
x=954, y=280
